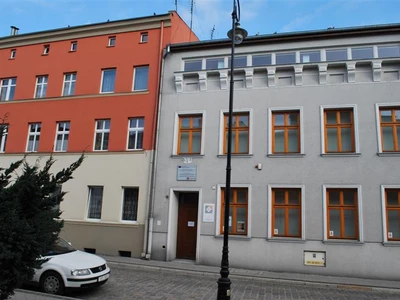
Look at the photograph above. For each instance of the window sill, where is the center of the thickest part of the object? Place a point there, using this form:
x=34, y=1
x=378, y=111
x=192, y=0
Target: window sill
x=388, y=154
x=235, y=237
x=391, y=244
x=107, y=92
x=340, y=154
x=187, y=155
x=343, y=242
x=140, y=91
x=236, y=155
x=94, y=150
x=110, y=46
x=286, y=240
x=289, y=155
x=45, y=55
x=135, y=150
x=143, y=42
x=11, y=58
x=71, y=51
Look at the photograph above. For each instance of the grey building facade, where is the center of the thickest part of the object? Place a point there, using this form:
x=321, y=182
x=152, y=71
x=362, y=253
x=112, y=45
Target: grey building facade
x=316, y=153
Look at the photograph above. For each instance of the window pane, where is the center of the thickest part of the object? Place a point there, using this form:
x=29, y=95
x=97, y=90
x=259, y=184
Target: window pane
x=185, y=123
x=261, y=60
x=393, y=223
x=97, y=145
x=243, y=121
x=392, y=198
x=184, y=142
x=241, y=214
x=196, y=142
x=349, y=223
x=241, y=196
x=285, y=58
x=95, y=202
x=232, y=142
x=141, y=78
x=345, y=117
x=293, y=118
x=65, y=144
x=334, y=223
x=334, y=55
x=192, y=65
x=279, y=228
x=349, y=197
x=388, y=142
x=389, y=51
x=397, y=115
x=334, y=197
x=196, y=122
x=279, y=119
x=386, y=116
x=279, y=197
x=307, y=57
x=132, y=140
x=331, y=117
x=398, y=137
x=59, y=142
x=293, y=140
x=214, y=63
x=105, y=141
x=139, y=142
x=240, y=62
x=106, y=124
x=12, y=92
x=36, y=144
x=346, y=139
x=243, y=142
x=294, y=197
x=279, y=141
x=332, y=139
x=130, y=204
x=294, y=221
x=362, y=53
x=99, y=124
x=108, y=81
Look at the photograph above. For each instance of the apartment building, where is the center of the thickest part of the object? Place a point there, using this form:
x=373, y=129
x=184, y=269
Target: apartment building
x=92, y=89
x=315, y=153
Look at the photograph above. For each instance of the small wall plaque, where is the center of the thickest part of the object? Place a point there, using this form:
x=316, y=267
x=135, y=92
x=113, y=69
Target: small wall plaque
x=186, y=173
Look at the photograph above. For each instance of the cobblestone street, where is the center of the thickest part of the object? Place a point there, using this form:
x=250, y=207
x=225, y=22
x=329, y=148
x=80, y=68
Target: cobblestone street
x=130, y=282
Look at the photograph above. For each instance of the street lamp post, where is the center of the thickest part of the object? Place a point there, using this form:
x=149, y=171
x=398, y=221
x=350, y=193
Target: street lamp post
x=236, y=34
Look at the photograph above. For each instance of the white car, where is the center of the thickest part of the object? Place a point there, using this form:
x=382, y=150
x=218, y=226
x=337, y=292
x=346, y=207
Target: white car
x=70, y=268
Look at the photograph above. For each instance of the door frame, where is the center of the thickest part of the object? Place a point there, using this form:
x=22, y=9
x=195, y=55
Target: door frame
x=172, y=233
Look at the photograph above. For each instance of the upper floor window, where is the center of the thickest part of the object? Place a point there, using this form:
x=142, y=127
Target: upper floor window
x=144, y=37
x=240, y=61
x=141, y=78
x=108, y=80
x=238, y=211
x=130, y=204
x=336, y=54
x=286, y=132
x=13, y=53
x=392, y=211
x=69, y=84
x=388, y=51
x=41, y=86
x=390, y=128
x=33, y=137
x=95, y=202
x=135, y=133
x=102, y=135
x=215, y=63
x=240, y=133
x=7, y=89
x=46, y=49
x=362, y=53
x=62, y=136
x=111, y=41
x=261, y=60
x=189, y=137
x=192, y=65
x=74, y=46
x=285, y=58
x=339, y=130
x=310, y=56
x=3, y=137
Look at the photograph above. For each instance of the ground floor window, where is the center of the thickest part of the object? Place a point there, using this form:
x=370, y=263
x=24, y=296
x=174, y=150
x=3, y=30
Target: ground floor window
x=130, y=204
x=238, y=211
x=95, y=202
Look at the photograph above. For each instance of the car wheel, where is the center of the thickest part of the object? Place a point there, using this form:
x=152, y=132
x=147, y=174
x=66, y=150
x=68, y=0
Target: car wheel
x=52, y=283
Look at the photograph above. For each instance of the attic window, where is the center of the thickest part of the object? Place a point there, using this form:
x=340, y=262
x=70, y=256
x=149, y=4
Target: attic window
x=144, y=37
x=111, y=41
x=74, y=46
x=46, y=49
x=13, y=53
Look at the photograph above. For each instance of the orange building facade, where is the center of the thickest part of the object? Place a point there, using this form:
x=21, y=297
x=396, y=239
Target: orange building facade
x=92, y=89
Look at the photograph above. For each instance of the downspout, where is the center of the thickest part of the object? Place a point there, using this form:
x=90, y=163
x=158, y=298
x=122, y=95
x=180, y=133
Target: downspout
x=148, y=235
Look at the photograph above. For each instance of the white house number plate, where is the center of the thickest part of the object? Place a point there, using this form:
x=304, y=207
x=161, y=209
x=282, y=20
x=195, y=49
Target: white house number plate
x=104, y=277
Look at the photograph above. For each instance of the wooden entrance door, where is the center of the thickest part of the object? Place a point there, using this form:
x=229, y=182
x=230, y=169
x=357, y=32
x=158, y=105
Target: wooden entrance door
x=187, y=226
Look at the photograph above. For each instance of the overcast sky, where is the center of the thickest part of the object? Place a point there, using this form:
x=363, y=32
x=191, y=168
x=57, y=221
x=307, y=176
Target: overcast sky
x=257, y=16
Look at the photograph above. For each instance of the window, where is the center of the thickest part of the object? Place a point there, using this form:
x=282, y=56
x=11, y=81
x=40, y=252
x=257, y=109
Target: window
x=310, y=56
x=141, y=78
x=33, y=137
x=390, y=128
x=130, y=204
x=362, y=53
x=285, y=58
x=286, y=212
x=46, y=49
x=74, y=46
x=240, y=62
x=388, y=51
x=108, y=80
x=111, y=41
x=144, y=37
x=95, y=202
x=238, y=211
x=215, y=63
x=189, y=137
x=240, y=133
x=102, y=135
x=41, y=86
x=69, y=84
x=339, y=130
x=337, y=54
x=391, y=212
x=13, y=53
x=135, y=133
x=261, y=60
x=342, y=213
x=3, y=137
x=7, y=89
x=193, y=65
x=62, y=136
x=286, y=132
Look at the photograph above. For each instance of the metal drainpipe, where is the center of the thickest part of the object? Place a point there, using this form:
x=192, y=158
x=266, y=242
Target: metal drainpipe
x=148, y=238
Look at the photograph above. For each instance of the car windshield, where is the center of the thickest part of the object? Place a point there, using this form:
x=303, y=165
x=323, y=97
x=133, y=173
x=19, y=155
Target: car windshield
x=60, y=246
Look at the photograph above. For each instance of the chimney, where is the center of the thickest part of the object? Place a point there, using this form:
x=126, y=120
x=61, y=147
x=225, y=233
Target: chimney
x=14, y=30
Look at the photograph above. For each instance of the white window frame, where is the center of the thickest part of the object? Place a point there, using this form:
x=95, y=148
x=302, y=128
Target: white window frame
x=176, y=129
x=35, y=134
x=46, y=49
x=270, y=127
x=218, y=210
x=384, y=221
x=111, y=41
x=360, y=215
x=13, y=53
x=63, y=133
x=122, y=205
x=378, y=106
x=134, y=75
x=102, y=78
x=222, y=129
x=102, y=131
x=3, y=139
x=142, y=35
x=41, y=85
x=355, y=120
x=74, y=46
x=88, y=203
x=69, y=84
x=134, y=129
x=303, y=211
x=8, y=87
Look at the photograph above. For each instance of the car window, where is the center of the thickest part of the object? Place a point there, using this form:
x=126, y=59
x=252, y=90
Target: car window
x=60, y=246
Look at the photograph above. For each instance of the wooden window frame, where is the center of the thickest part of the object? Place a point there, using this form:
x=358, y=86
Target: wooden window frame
x=341, y=207
x=286, y=206
x=234, y=205
x=190, y=130
x=339, y=126
x=236, y=130
x=392, y=208
x=286, y=129
x=392, y=124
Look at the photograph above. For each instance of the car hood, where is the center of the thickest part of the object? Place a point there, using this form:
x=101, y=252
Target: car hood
x=76, y=260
